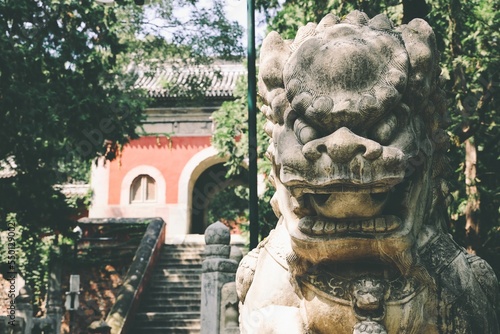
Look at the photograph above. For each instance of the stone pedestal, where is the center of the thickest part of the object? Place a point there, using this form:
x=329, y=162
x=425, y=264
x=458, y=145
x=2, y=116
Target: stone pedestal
x=218, y=270
x=54, y=303
x=24, y=312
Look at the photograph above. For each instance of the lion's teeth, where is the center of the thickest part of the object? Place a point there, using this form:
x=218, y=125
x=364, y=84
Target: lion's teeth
x=306, y=224
x=368, y=225
x=342, y=227
x=392, y=223
x=380, y=225
x=355, y=227
x=318, y=227
x=330, y=227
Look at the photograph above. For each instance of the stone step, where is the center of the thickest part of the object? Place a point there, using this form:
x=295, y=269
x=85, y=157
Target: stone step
x=174, y=292
x=165, y=290
x=178, y=254
x=171, y=277
x=167, y=251
x=176, y=266
x=170, y=301
x=173, y=253
x=162, y=307
x=142, y=327
x=166, y=330
x=170, y=262
x=169, y=318
x=175, y=289
x=183, y=247
x=164, y=279
x=175, y=295
x=168, y=304
x=164, y=284
x=181, y=270
x=167, y=261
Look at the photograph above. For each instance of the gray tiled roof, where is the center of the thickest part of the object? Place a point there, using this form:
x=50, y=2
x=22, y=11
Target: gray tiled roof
x=74, y=189
x=8, y=169
x=169, y=83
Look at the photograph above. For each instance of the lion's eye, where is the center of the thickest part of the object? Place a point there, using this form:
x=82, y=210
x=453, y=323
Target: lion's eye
x=304, y=132
x=384, y=131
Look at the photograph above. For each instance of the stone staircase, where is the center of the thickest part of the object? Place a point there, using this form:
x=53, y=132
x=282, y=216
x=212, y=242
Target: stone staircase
x=172, y=299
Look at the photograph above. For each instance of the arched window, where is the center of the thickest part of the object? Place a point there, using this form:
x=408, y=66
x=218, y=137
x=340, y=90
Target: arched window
x=143, y=189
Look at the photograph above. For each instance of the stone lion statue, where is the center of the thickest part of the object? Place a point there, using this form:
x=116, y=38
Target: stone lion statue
x=356, y=115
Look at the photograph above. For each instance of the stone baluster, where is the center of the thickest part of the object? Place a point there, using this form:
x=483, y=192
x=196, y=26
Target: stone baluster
x=24, y=312
x=219, y=303
x=54, y=302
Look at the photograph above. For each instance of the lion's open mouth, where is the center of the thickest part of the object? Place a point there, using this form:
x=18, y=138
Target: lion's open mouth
x=363, y=211
x=347, y=204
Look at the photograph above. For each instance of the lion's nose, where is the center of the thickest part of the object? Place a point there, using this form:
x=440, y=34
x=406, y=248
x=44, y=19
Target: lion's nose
x=342, y=146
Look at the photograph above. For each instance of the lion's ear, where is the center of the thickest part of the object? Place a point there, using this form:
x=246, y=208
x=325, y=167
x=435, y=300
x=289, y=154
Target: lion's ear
x=273, y=55
x=420, y=43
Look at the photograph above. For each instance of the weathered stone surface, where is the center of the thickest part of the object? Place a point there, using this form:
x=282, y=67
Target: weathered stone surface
x=229, y=309
x=218, y=271
x=356, y=118
x=217, y=234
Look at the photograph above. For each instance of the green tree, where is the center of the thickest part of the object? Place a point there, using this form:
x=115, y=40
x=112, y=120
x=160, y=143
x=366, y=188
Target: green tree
x=231, y=140
x=67, y=92
x=61, y=95
x=468, y=37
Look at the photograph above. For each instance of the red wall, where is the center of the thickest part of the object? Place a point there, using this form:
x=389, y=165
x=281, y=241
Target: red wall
x=169, y=159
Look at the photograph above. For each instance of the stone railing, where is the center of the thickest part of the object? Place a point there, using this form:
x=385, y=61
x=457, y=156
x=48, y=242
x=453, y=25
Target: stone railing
x=137, y=277
x=219, y=302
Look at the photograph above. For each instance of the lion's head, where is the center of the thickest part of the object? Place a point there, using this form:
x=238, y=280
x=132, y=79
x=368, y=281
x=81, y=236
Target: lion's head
x=355, y=115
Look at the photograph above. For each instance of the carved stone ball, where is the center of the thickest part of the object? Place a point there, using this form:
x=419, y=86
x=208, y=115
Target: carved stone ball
x=217, y=234
x=369, y=327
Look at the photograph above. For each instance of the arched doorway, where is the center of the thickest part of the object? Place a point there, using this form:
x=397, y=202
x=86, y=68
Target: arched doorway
x=210, y=182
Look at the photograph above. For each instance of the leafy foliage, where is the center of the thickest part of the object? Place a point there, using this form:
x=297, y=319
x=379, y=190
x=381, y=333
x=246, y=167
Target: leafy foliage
x=296, y=13
x=230, y=138
x=468, y=37
x=230, y=205
x=180, y=31
x=30, y=257
x=67, y=96
x=61, y=94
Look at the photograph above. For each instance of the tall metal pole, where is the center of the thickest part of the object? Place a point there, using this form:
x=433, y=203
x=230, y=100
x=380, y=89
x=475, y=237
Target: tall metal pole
x=252, y=127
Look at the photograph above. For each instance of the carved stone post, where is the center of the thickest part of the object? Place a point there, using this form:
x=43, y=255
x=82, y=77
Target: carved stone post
x=217, y=270
x=229, y=314
x=54, y=302
x=24, y=313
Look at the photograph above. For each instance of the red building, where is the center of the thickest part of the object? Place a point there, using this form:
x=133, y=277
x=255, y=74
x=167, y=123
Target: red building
x=171, y=171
